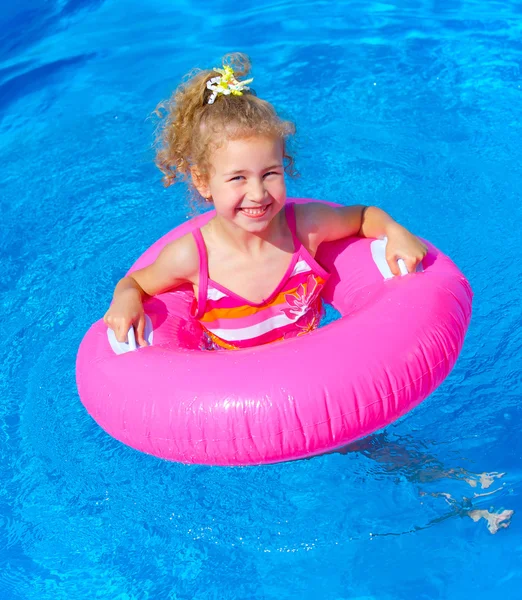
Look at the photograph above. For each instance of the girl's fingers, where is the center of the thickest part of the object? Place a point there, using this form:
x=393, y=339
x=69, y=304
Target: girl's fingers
x=392, y=263
x=140, y=331
x=411, y=264
x=121, y=328
x=120, y=331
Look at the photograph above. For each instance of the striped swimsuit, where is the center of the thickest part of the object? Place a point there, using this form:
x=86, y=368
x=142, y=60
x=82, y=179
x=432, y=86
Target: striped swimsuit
x=294, y=308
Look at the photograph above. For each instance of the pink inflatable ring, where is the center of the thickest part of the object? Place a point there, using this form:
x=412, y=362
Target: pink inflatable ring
x=397, y=340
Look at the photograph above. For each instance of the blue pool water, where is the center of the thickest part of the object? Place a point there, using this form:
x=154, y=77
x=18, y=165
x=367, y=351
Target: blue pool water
x=414, y=106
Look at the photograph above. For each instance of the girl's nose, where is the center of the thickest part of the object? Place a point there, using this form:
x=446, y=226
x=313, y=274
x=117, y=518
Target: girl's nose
x=256, y=191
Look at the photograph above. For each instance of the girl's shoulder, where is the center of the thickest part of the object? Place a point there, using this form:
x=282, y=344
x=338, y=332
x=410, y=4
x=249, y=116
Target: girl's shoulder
x=308, y=213
x=309, y=218
x=181, y=256
x=319, y=222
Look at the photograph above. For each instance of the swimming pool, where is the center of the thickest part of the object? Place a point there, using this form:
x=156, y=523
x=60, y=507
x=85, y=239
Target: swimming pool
x=414, y=106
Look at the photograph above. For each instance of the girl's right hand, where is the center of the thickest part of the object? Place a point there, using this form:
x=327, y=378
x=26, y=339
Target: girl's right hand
x=127, y=310
x=177, y=263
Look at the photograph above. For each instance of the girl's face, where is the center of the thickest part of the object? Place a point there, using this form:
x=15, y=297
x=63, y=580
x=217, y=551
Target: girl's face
x=246, y=182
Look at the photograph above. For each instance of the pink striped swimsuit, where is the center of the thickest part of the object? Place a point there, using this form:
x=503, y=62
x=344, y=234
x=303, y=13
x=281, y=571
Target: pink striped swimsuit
x=294, y=308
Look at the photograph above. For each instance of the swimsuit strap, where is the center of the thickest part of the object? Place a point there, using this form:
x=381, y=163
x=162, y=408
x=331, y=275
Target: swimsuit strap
x=203, y=273
x=290, y=219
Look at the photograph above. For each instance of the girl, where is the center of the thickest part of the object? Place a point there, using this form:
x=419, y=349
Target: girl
x=252, y=266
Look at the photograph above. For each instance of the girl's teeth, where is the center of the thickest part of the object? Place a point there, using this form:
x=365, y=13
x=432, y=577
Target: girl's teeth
x=254, y=211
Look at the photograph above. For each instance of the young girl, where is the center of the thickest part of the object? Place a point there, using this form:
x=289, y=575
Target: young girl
x=252, y=265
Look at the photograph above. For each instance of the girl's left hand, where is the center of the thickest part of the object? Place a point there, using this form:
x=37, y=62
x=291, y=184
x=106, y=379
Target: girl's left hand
x=405, y=245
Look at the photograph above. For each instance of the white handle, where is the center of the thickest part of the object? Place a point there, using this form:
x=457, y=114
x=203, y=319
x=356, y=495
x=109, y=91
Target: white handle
x=402, y=267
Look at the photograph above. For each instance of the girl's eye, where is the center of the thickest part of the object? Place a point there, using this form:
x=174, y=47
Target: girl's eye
x=236, y=178
x=270, y=173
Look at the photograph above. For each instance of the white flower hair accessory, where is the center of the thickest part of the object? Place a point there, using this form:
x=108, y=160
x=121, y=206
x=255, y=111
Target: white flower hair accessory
x=226, y=84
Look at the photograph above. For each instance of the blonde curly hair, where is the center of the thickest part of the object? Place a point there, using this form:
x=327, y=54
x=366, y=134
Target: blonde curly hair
x=190, y=128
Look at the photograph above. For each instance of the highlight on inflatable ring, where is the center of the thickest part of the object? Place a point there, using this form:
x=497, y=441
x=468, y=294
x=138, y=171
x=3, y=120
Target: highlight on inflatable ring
x=397, y=340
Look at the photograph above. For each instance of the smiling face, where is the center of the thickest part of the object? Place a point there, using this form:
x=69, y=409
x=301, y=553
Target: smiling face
x=246, y=182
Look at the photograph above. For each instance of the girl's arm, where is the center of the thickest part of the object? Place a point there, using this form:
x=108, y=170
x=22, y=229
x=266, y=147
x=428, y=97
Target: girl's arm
x=176, y=264
x=318, y=223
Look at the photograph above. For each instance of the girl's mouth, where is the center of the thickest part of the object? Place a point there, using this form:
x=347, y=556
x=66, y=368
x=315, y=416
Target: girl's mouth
x=255, y=212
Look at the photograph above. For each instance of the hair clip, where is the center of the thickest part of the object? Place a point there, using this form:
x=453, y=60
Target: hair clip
x=226, y=84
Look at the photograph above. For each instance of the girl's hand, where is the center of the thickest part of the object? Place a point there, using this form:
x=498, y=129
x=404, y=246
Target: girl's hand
x=127, y=310
x=177, y=263
x=405, y=245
